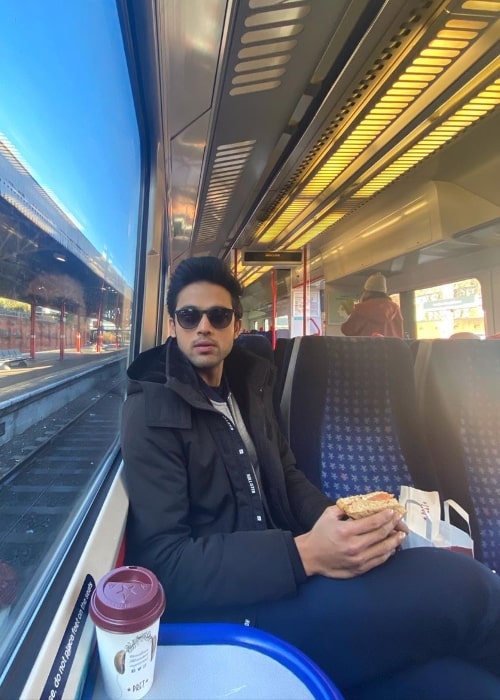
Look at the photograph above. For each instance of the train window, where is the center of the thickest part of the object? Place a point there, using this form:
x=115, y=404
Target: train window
x=450, y=308
x=69, y=210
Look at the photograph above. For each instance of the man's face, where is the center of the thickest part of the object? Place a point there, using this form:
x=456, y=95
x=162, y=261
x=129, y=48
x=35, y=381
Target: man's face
x=205, y=347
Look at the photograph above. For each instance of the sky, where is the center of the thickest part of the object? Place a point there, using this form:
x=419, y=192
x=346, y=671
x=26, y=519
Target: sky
x=66, y=107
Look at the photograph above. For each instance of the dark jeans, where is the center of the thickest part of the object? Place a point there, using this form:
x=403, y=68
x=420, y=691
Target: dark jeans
x=425, y=626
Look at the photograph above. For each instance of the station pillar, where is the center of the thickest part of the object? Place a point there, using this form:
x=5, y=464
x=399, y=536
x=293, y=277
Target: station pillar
x=33, y=331
x=78, y=338
x=61, y=333
x=99, y=340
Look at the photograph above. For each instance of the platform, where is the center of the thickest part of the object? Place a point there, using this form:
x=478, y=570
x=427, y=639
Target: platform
x=48, y=366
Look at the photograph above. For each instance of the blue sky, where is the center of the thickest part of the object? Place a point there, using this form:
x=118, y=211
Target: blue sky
x=66, y=106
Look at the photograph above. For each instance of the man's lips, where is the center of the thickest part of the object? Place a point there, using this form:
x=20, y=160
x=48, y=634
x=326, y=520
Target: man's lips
x=206, y=345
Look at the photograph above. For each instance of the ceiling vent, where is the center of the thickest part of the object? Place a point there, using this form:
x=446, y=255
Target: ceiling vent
x=266, y=47
x=230, y=160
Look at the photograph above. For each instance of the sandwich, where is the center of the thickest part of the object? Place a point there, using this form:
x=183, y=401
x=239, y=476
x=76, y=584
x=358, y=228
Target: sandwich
x=360, y=506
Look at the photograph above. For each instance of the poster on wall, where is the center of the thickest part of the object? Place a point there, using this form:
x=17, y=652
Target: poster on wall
x=313, y=313
x=340, y=306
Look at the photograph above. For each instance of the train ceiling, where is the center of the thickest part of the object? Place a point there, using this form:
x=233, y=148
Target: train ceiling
x=277, y=120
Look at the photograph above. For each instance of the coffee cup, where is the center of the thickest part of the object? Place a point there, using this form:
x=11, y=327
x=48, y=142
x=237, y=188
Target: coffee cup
x=126, y=607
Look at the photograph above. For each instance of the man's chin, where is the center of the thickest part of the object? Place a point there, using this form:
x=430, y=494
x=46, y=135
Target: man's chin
x=205, y=361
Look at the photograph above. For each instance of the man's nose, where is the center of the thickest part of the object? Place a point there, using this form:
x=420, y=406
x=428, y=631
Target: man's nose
x=204, y=325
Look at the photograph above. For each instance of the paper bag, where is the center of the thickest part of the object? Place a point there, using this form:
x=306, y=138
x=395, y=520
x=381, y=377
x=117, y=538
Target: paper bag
x=426, y=527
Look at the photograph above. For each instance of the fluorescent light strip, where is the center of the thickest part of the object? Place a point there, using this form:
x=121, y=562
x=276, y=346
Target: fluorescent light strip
x=254, y=275
x=477, y=107
x=318, y=228
x=295, y=208
x=389, y=107
x=441, y=52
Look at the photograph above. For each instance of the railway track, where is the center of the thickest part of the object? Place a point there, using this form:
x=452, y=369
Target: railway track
x=50, y=471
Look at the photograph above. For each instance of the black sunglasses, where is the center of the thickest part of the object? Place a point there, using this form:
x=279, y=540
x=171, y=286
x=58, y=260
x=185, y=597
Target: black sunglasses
x=189, y=317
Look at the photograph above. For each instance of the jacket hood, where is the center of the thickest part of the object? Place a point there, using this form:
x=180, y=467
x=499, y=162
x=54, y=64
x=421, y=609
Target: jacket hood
x=149, y=366
x=165, y=364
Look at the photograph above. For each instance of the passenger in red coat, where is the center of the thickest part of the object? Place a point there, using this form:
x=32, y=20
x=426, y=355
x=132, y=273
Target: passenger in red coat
x=376, y=313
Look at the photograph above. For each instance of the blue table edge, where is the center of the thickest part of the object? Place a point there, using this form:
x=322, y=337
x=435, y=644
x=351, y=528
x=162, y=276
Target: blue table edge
x=193, y=633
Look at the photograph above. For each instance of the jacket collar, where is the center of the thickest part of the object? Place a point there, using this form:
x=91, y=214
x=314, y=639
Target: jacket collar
x=171, y=388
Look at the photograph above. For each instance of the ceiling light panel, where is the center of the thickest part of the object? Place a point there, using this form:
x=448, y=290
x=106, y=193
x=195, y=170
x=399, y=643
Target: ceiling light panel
x=253, y=274
x=265, y=63
x=484, y=102
x=318, y=228
x=342, y=152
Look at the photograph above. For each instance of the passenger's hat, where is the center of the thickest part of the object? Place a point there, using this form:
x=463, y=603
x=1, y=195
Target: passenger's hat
x=376, y=283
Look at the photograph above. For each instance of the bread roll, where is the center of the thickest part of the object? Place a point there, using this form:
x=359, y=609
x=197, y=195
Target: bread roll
x=360, y=506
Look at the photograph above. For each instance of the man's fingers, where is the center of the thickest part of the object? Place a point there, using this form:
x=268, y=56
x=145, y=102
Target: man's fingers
x=401, y=525
x=382, y=551
x=373, y=522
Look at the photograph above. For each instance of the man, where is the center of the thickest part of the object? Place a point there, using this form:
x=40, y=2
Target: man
x=375, y=314
x=236, y=533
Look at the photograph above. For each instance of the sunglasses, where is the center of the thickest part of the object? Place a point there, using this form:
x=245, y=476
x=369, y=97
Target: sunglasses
x=189, y=317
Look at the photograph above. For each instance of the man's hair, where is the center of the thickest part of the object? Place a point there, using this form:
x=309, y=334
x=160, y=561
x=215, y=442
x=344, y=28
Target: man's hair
x=204, y=269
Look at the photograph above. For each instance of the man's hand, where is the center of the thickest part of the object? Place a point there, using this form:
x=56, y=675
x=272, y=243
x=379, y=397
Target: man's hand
x=340, y=548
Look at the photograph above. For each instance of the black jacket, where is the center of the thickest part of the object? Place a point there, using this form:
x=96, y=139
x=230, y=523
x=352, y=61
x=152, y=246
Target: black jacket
x=195, y=516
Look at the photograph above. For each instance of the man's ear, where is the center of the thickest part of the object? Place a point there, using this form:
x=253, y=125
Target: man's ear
x=171, y=326
x=237, y=327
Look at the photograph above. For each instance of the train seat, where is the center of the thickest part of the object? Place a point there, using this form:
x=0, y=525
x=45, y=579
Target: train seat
x=349, y=405
x=261, y=345
x=460, y=402
x=282, y=353
x=258, y=344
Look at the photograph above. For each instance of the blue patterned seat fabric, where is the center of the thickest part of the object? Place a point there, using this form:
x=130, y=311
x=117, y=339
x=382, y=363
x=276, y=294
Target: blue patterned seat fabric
x=462, y=408
x=354, y=426
x=360, y=448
